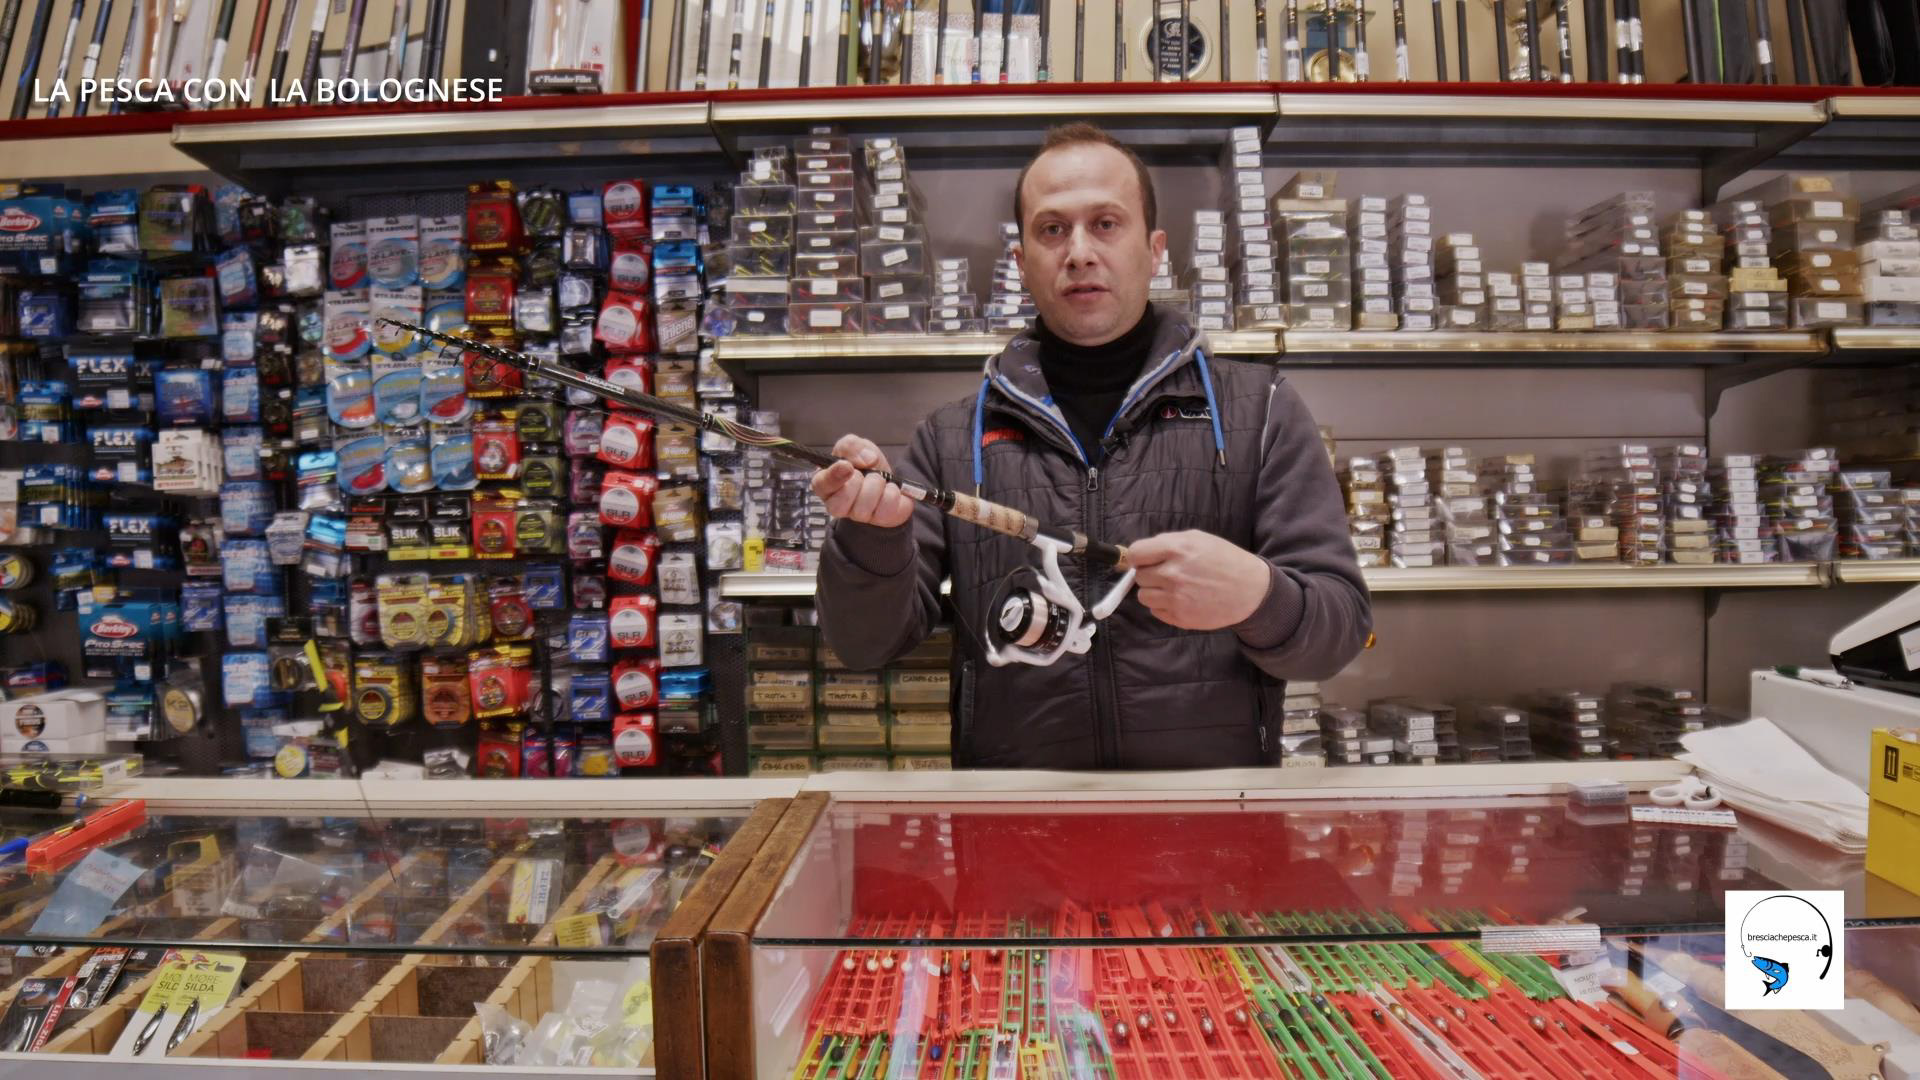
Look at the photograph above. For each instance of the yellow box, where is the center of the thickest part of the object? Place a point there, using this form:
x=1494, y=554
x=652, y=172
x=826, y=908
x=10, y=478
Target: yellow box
x=1895, y=774
x=1893, y=845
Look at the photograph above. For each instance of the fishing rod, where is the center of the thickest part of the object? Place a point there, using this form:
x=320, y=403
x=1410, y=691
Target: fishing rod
x=92, y=63
x=66, y=51
x=1027, y=626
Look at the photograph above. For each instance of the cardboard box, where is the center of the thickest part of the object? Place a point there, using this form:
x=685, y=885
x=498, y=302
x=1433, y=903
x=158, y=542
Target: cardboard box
x=58, y=715
x=1893, y=814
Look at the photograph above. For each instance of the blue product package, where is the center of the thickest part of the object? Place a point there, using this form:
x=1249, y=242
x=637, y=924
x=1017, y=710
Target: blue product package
x=443, y=257
x=452, y=460
x=409, y=468
x=350, y=397
x=396, y=396
x=200, y=607
x=393, y=250
x=247, y=618
x=243, y=679
x=246, y=567
x=45, y=313
x=443, y=394
x=115, y=218
x=583, y=208
x=590, y=697
x=543, y=585
x=233, y=272
x=689, y=684
x=227, y=199
x=240, y=395
x=362, y=465
x=185, y=395
x=241, y=446
x=587, y=638
x=246, y=508
x=239, y=333
x=262, y=744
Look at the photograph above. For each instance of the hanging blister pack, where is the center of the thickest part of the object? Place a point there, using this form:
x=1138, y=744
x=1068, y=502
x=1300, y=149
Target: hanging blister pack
x=350, y=395
x=396, y=391
x=362, y=464
x=443, y=259
x=393, y=250
x=347, y=268
x=349, y=332
x=405, y=303
x=409, y=468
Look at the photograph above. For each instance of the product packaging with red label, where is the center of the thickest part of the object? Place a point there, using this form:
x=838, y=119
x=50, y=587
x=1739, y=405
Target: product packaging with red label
x=630, y=621
x=627, y=498
x=626, y=323
x=493, y=218
x=635, y=740
x=635, y=551
x=636, y=683
x=626, y=441
x=623, y=209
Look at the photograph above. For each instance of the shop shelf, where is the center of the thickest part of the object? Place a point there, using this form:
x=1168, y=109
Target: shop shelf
x=375, y=151
x=997, y=122
x=1865, y=129
x=745, y=356
x=1858, y=571
x=1364, y=348
x=1862, y=339
x=1451, y=579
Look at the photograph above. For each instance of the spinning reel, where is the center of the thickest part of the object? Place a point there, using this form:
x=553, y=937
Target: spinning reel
x=1034, y=617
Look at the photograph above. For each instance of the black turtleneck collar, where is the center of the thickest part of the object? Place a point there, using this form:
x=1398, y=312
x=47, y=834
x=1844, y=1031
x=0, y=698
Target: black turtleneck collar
x=1088, y=382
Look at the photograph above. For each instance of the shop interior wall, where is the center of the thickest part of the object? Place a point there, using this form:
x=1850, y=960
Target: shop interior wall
x=1452, y=644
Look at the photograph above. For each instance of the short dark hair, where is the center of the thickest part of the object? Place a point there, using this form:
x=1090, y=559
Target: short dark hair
x=1075, y=134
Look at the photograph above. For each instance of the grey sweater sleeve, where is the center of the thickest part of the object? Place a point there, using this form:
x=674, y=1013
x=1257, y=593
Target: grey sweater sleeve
x=1317, y=615
x=879, y=588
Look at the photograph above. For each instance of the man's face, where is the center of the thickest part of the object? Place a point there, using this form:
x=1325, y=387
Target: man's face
x=1085, y=252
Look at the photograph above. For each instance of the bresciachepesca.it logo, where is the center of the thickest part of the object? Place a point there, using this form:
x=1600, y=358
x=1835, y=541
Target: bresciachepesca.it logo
x=1786, y=950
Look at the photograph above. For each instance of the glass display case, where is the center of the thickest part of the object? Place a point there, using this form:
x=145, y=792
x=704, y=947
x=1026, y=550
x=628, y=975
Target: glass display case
x=1139, y=935
x=210, y=927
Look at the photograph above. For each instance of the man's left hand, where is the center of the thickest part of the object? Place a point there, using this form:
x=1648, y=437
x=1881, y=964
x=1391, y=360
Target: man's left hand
x=1197, y=581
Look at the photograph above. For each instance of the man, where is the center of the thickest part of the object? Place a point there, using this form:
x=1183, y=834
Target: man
x=1117, y=419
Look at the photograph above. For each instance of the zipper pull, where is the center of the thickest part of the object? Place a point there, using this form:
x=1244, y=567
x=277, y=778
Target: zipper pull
x=1093, y=478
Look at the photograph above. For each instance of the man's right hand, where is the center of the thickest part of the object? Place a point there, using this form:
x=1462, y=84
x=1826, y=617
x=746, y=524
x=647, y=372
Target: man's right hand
x=857, y=496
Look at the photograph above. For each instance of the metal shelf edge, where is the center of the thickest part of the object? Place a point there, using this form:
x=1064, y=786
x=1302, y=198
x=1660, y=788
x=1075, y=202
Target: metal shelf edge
x=604, y=119
x=1876, y=570
x=882, y=346
x=1876, y=337
x=1455, y=579
x=1241, y=104
x=1468, y=341
x=1494, y=107
x=1901, y=106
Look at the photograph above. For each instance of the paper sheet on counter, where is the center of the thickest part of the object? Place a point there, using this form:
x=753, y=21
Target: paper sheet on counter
x=1760, y=769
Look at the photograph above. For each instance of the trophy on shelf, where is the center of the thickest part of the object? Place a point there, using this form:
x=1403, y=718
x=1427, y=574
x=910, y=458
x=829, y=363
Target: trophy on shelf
x=1535, y=42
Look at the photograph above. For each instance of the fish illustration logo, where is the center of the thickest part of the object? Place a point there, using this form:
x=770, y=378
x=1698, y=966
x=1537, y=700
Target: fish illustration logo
x=1784, y=925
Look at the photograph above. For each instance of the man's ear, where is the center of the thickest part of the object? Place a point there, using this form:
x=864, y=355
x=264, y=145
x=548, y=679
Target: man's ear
x=1157, y=242
x=1020, y=258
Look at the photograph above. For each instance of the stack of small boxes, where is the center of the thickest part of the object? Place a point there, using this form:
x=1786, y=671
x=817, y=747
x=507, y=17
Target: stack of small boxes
x=1624, y=476
x=1537, y=295
x=1506, y=312
x=1696, y=286
x=953, y=308
x=1813, y=220
x=1300, y=741
x=1529, y=524
x=1346, y=741
x=1374, y=307
x=806, y=711
x=1255, y=254
x=1688, y=493
x=1492, y=731
x=1462, y=284
x=827, y=290
x=1313, y=227
x=1617, y=246
x=1889, y=254
x=1741, y=531
x=1368, y=516
x=1408, y=847
x=1569, y=723
x=1574, y=308
x=1410, y=258
x=1011, y=307
x=1207, y=281
x=759, y=254
x=1793, y=488
x=1411, y=541
x=1164, y=290
x=894, y=253
x=1874, y=518
x=1409, y=726
x=1646, y=720
x=1757, y=294
x=1446, y=725
x=1463, y=509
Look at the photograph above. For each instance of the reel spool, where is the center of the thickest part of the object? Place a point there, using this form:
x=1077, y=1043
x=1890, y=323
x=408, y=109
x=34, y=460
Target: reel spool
x=1020, y=617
